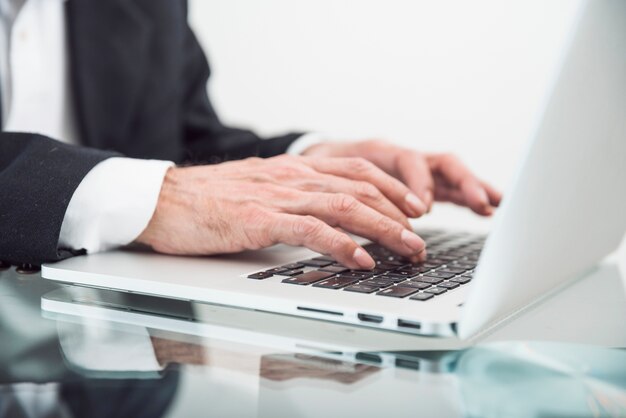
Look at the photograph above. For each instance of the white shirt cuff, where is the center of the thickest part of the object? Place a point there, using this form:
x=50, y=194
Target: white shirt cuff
x=113, y=204
x=300, y=145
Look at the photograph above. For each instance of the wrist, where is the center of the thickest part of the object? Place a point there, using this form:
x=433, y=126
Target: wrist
x=153, y=234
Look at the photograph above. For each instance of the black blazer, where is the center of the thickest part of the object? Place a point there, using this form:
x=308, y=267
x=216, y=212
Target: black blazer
x=139, y=84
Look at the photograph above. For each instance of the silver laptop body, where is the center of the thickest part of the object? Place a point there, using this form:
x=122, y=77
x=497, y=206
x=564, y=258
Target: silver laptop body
x=565, y=211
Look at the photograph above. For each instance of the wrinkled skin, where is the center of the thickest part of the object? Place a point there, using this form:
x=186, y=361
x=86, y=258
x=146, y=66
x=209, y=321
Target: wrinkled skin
x=367, y=188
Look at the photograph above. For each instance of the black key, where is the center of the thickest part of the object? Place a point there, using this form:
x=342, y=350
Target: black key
x=431, y=280
x=448, y=257
x=360, y=288
x=377, y=283
x=335, y=283
x=397, y=291
x=402, y=273
x=394, y=279
x=442, y=275
x=431, y=265
x=293, y=266
x=448, y=285
x=335, y=269
x=416, y=285
x=386, y=266
x=276, y=270
x=415, y=269
x=291, y=272
x=357, y=275
x=324, y=258
x=436, y=290
x=308, y=277
x=395, y=259
x=463, y=265
x=422, y=296
x=260, y=276
x=461, y=279
x=374, y=271
x=469, y=274
x=453, y=270
x=316, y=263
x=435, y=262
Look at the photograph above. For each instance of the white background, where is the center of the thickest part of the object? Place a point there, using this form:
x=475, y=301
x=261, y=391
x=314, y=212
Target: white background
x=465, y=76
x=462, y=76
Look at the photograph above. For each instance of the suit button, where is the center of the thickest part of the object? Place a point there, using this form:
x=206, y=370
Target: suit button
x=27, y=268
x=4, y=265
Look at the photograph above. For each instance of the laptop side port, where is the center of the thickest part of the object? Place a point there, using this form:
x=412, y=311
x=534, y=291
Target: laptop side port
x=369, y=357
x=403, y=323
x=376, y=319
x=319, y=311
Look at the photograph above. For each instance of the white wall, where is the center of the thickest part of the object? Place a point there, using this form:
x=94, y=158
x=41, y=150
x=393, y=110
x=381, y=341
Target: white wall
x=466, y=76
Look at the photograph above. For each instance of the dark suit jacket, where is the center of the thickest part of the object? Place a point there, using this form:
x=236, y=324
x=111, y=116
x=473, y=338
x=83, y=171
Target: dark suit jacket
x=139, y=83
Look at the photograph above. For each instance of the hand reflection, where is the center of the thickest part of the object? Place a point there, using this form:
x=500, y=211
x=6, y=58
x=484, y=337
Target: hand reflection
x=282, y=367
x=169, y=351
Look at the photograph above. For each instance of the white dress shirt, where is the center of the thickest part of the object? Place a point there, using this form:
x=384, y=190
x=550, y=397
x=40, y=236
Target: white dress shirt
x=115, y=201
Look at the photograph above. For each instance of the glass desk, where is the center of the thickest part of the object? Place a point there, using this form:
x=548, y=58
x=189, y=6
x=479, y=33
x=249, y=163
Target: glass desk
x=90, y=353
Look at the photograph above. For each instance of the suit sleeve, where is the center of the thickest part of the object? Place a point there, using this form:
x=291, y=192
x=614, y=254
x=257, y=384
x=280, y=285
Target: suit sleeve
x=38, y=177
x=206, y=138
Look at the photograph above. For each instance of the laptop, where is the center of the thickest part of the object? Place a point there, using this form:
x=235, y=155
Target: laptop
x=564, y=212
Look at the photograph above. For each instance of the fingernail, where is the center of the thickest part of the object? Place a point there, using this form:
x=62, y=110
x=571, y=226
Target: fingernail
x=412, y=241
x=428, y=199
x=419, y=208
x=482, y=196
x=363, y=259
x=422, y=256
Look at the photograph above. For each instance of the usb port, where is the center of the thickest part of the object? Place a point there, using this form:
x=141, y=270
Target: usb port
x=403, y=323
x=370, y=318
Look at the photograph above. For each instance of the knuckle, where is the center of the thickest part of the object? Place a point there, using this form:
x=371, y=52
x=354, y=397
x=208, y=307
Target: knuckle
x=385, y=227
x=257, y=227
x=449, y=158
x=359, y=165
x=308, y=226
x=338, y=242
x=367, y=191
x=343, y=204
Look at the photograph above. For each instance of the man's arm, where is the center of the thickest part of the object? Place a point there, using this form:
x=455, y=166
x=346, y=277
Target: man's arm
x=38, y=177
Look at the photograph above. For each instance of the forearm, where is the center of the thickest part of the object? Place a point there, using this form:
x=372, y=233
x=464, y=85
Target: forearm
x=38, y=177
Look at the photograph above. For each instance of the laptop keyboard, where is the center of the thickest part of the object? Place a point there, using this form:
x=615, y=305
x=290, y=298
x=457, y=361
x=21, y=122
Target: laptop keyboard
x=450, y=263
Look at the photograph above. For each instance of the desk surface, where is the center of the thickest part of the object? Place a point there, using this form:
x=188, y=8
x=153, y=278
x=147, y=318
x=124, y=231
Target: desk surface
x=55, y=364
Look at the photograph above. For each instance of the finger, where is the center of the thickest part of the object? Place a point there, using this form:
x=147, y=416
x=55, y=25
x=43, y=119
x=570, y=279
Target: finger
x=362, y=170
x=495, y=197
x=414, y=170
x=365, y=192
x=446, y=194
x=458, y=197
x=455, y=174
x=348, y=213
x=318, y=236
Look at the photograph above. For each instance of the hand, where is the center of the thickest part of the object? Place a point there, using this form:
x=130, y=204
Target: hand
x=295, y=200
x=433, y=177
